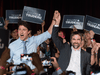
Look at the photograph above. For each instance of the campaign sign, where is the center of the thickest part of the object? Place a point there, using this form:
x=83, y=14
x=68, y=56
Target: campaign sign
x=70, y=20
x=13, y=15
x=92, y=23
x=1, y=22
x=33, y=15
x=4, y=39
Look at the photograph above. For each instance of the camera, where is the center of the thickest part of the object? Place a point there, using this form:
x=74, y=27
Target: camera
x=46, y=61
x=15, y=68
x=25, y=57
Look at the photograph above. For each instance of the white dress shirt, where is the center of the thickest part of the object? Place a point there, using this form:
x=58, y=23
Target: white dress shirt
x=74, y=64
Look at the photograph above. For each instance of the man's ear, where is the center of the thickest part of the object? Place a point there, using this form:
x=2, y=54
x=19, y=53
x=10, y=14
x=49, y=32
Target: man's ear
x=29, y=32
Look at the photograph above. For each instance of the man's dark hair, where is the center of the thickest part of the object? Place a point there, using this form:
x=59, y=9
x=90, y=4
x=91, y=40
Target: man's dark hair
x=75, y=33
x=26, y=24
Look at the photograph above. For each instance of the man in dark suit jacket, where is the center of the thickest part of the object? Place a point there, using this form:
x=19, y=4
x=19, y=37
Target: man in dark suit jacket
x=71, y=58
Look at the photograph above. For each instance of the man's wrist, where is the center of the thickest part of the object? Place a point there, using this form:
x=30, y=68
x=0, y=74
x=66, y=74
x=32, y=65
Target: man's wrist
x=58, y=68
x=55, y=22
x=59, y=71
x=92, y=54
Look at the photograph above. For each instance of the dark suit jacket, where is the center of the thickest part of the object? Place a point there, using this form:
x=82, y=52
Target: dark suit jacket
x=65, y=54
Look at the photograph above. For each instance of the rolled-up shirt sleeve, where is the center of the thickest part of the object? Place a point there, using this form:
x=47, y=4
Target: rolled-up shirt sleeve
x=42, y=37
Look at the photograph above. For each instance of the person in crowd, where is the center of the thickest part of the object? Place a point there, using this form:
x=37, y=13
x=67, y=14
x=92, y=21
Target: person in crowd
x=88, y=39
x=83, y=44
x=62, y=35
x=39, y=31
x=28, y=44
x=6, y=24
x=71, y=58
x=90, y=36
x=95, y=59
x=13, y=32
x=49, y=50
x=54, y=52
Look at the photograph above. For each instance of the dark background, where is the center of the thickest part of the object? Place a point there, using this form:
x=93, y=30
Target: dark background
x=65, y=7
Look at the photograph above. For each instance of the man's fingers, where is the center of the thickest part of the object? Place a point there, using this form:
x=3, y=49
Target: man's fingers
x=53, y=58
x=56, y=13
x=74, y=26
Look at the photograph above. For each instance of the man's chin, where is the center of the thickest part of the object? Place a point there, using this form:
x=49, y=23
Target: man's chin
x=76, y=47
x=22, y=39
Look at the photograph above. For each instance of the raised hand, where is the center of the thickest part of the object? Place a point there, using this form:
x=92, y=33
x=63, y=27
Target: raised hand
x=43, y=23
x=29, y=71
x=97, y=47
x=55, y=21
x=57, y=17
x=6, y=24
x=74, y=29
x=36, y=61
x=55, y=63
x=91, y=33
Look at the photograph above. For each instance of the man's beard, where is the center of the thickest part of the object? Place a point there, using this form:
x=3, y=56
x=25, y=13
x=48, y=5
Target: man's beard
x=76, y=46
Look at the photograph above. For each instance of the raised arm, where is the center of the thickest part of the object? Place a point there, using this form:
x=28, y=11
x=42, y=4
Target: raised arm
x=44, y=36
x=55, y=21
x=42, y=24
x=56, y=39
x=6, y=24
x=94, y=53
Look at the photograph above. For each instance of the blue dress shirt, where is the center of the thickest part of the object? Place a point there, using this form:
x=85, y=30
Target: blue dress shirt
x=16, y=47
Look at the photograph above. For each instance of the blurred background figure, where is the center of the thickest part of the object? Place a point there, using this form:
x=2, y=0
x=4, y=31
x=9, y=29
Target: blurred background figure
x=13, y=31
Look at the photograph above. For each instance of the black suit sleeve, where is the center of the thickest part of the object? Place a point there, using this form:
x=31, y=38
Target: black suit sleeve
x=56, y=39
x=88, y=69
